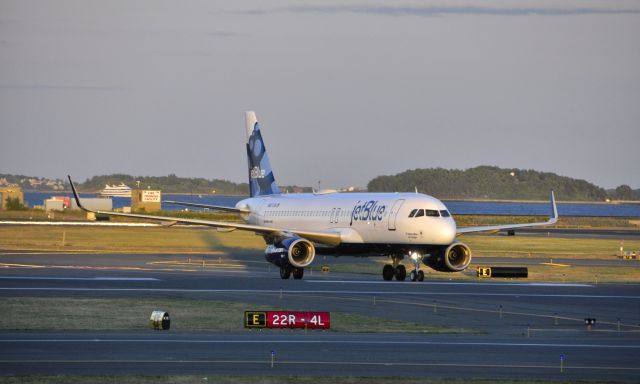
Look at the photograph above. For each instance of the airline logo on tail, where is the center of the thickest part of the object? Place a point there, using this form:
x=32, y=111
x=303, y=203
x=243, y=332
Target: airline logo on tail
x=257, y=173
x=261, y=179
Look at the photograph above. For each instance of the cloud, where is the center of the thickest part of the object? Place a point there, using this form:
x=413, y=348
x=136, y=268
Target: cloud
x=49, y=87
x=223, y=34
x=432, y=10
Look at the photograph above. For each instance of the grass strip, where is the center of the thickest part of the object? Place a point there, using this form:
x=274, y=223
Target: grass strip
x=76, y=314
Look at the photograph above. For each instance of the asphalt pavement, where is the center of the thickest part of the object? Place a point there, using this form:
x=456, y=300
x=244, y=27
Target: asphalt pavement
x=519, y=329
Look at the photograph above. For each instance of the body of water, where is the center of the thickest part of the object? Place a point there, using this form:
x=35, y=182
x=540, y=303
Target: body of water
x=455, y=206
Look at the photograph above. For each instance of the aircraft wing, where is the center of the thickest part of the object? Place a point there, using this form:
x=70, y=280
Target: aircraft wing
x=212, y=207
x=553, y=218
x=328, y=238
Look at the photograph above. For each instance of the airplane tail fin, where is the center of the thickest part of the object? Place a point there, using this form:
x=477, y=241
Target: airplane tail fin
x=261, y=179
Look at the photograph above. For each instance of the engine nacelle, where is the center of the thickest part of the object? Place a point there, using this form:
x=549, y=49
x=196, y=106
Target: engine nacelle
x=454, y=258
x=294, y=251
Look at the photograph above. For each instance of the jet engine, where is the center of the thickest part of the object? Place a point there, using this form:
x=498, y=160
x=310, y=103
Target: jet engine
x=294, y=251
x=454, y=258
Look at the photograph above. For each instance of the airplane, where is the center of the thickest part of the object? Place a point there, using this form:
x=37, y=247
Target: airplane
x=297, y=226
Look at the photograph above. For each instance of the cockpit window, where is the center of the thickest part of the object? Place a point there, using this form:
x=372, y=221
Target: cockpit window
x=432, y=213
x=445, y=213
x=413, y=213
x=420, y=213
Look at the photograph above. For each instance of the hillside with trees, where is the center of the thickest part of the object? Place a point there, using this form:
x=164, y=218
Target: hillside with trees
x=175, y=184
x=486, y=182
x=167, y=184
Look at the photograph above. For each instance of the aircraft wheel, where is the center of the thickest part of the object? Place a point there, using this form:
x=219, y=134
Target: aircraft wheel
x=285, y=272
x=401, y=272
x=298, y=273
x=414, y=275
x=387, y=272
x=420, y=276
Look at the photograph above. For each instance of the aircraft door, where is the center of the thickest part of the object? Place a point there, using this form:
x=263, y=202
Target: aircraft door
x=394, y=213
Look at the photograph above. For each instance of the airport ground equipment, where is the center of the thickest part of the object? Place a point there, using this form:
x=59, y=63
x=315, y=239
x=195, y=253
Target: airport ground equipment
x=160, y=320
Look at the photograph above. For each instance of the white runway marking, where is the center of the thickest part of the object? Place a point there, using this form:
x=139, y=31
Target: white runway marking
x=79, y=278
x=452, y=283
x=277, y=291
x=356, y=342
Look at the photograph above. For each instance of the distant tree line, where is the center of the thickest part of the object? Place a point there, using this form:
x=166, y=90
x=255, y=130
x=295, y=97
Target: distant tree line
x=175, y=184
x=482, y=182
x=495, y=183
x=624, y=192
x=167, y=184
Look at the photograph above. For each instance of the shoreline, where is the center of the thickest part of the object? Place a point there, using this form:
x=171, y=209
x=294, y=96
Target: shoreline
x=444, y=199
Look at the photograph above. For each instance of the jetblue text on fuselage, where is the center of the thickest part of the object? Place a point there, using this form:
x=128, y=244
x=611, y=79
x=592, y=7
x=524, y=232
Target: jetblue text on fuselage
x=368, y=211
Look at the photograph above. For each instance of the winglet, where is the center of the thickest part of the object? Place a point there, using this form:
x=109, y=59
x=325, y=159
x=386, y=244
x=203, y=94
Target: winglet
x=76, y=196
x=554, y=210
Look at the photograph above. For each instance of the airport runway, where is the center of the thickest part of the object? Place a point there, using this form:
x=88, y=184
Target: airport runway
x=520, y=329
x=249, y=353
x=576, y=233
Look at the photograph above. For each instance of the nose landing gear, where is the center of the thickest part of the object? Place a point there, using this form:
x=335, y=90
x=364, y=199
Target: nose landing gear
x=286, y=272
x=416, y=274
x=399, y=271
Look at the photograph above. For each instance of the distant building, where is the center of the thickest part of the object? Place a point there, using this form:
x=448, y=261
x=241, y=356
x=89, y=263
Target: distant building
x=146, y=200
x=11, y=192
x=94, y=203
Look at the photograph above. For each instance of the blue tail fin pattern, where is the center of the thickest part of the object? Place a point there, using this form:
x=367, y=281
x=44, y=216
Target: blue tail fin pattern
x=261, y=179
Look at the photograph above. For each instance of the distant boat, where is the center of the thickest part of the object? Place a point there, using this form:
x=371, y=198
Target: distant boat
x=121, y=190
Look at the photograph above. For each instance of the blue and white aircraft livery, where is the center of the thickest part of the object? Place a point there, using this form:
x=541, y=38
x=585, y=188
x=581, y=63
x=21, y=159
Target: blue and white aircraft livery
x=296, y=227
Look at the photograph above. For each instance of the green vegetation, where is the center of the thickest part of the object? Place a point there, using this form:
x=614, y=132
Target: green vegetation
x=14, y=204
x=126, y=239
x=168, y=184
x=66, y=314
x=624, y=192
x=488, y=183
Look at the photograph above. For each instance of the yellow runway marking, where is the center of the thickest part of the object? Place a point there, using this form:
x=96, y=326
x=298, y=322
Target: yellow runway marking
x=556, y=265
x=111, y=252
x=197, y=264
x=7, y=265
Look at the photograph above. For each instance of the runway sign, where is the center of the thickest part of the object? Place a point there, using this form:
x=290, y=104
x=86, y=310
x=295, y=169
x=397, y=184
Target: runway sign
x=483, y=271
x=287, y=319
x=502, y=272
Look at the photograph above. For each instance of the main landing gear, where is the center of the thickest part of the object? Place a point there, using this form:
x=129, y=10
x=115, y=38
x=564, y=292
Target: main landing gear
x=286, y=272
x=399, y=271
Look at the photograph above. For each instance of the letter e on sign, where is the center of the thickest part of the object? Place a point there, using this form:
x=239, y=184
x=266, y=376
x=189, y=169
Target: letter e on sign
x=255, y=319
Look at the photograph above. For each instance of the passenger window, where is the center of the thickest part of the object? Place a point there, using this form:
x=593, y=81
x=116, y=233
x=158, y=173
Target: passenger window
x=420, y=213
x=445, y=213
x=432, y=212
x=413, y=213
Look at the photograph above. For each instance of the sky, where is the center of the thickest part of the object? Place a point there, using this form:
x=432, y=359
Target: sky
x=344, y=90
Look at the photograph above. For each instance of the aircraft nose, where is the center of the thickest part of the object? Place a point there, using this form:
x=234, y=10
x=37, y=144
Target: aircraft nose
x=448, y=232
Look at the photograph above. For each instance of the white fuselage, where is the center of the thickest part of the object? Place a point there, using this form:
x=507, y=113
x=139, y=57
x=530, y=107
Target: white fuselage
x=360, y=218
